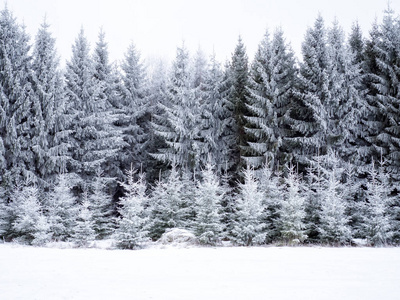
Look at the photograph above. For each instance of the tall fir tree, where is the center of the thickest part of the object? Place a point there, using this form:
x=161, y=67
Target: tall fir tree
x=272, y=83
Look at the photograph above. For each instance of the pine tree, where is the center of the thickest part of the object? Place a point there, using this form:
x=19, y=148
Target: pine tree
x=4, y=215
x=272, y=83
x=378, y=223
x=249, y=229
x=61, y=209
x=292, y=212
x=84, y=226
x=42, y=233
x=101, y=206
x=132, y=231
x=50, y=143
x=209, y=194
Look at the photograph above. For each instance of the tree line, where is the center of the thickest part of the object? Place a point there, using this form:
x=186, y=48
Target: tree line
x=275, y=149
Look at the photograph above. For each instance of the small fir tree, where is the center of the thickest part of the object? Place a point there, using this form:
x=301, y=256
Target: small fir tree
x=132, y=230
x=84, y=227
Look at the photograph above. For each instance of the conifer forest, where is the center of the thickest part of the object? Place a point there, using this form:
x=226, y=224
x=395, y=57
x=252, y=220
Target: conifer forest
x=279, y=149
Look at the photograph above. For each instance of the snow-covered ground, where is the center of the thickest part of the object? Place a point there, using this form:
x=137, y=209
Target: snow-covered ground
x=200, y=273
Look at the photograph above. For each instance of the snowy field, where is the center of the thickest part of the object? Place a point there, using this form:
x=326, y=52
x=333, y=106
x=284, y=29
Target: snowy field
x=200, y=273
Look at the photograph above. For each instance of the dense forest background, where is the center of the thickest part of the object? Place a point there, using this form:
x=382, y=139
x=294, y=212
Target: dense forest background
x=279, y=149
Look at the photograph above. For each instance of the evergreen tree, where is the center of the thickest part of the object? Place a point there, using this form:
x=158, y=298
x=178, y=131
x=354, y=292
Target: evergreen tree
x=93, y=145
x=50, y=143
x=272, y=83
x=42, y=233
x=209, y=193
x=84, y=227
x=61, y=209
x=101, y=206
x=378, y=223
x=217, y=119
x=135, y=110
x=334, y=226
x=4, y=215
x=132, y=232
x=249, y=229
x=110, y=95
x=292, y=212
x=180, y=123
x=26, y=211
x=238, y=96
x=168, y=208
x=19, y=109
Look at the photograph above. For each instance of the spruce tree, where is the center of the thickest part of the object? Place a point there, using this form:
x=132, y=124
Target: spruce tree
x=61, y=209
x=101, y=206
x=209, y=194
x=51, y=143
x=292, y=211
x=179, y=124
x=378, y=221
x=272, y=83
x=249, y=229
x=132, y=226
x=84, y=226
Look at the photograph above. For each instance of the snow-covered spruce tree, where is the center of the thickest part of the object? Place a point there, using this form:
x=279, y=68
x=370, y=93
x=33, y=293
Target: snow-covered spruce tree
x=167, y=208
x=19, y=109
x=101, y=206
x=42, y=233
x=84, y=226
x=132, y=230
x=4, y=215
x=292, y=211
x=61, y=209
x=272, y=193
x=346, y=106
x=50, y=142
x=25, y=211
x=229, y=215
x=179, y=124
x=309, y=115
x=249, y=229
x=110, y=95
x=217, y=122
x=134, y=118
x=239, y=72
x=93, y=145
x=385, y=95
x=209, y=194
x=378, y=221
x=271, y=87
x=334, y=223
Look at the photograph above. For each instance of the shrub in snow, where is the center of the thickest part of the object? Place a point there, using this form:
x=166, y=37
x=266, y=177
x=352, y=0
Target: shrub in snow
x=377, y=220
x=61, y=209
x=84, y=228
x=132, y=232
x=209, y=193
x=249, y=228
x=292, y=212
x=178, y=236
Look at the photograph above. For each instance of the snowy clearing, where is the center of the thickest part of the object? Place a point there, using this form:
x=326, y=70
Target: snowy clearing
x=200, y=273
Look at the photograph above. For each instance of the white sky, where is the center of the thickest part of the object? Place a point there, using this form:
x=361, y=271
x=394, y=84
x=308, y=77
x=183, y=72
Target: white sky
x=157, y=27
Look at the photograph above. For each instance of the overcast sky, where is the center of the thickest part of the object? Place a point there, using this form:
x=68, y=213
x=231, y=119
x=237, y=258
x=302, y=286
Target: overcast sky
x=157, y=27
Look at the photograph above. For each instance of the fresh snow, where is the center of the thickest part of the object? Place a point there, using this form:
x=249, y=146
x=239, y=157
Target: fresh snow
x=200, y=273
